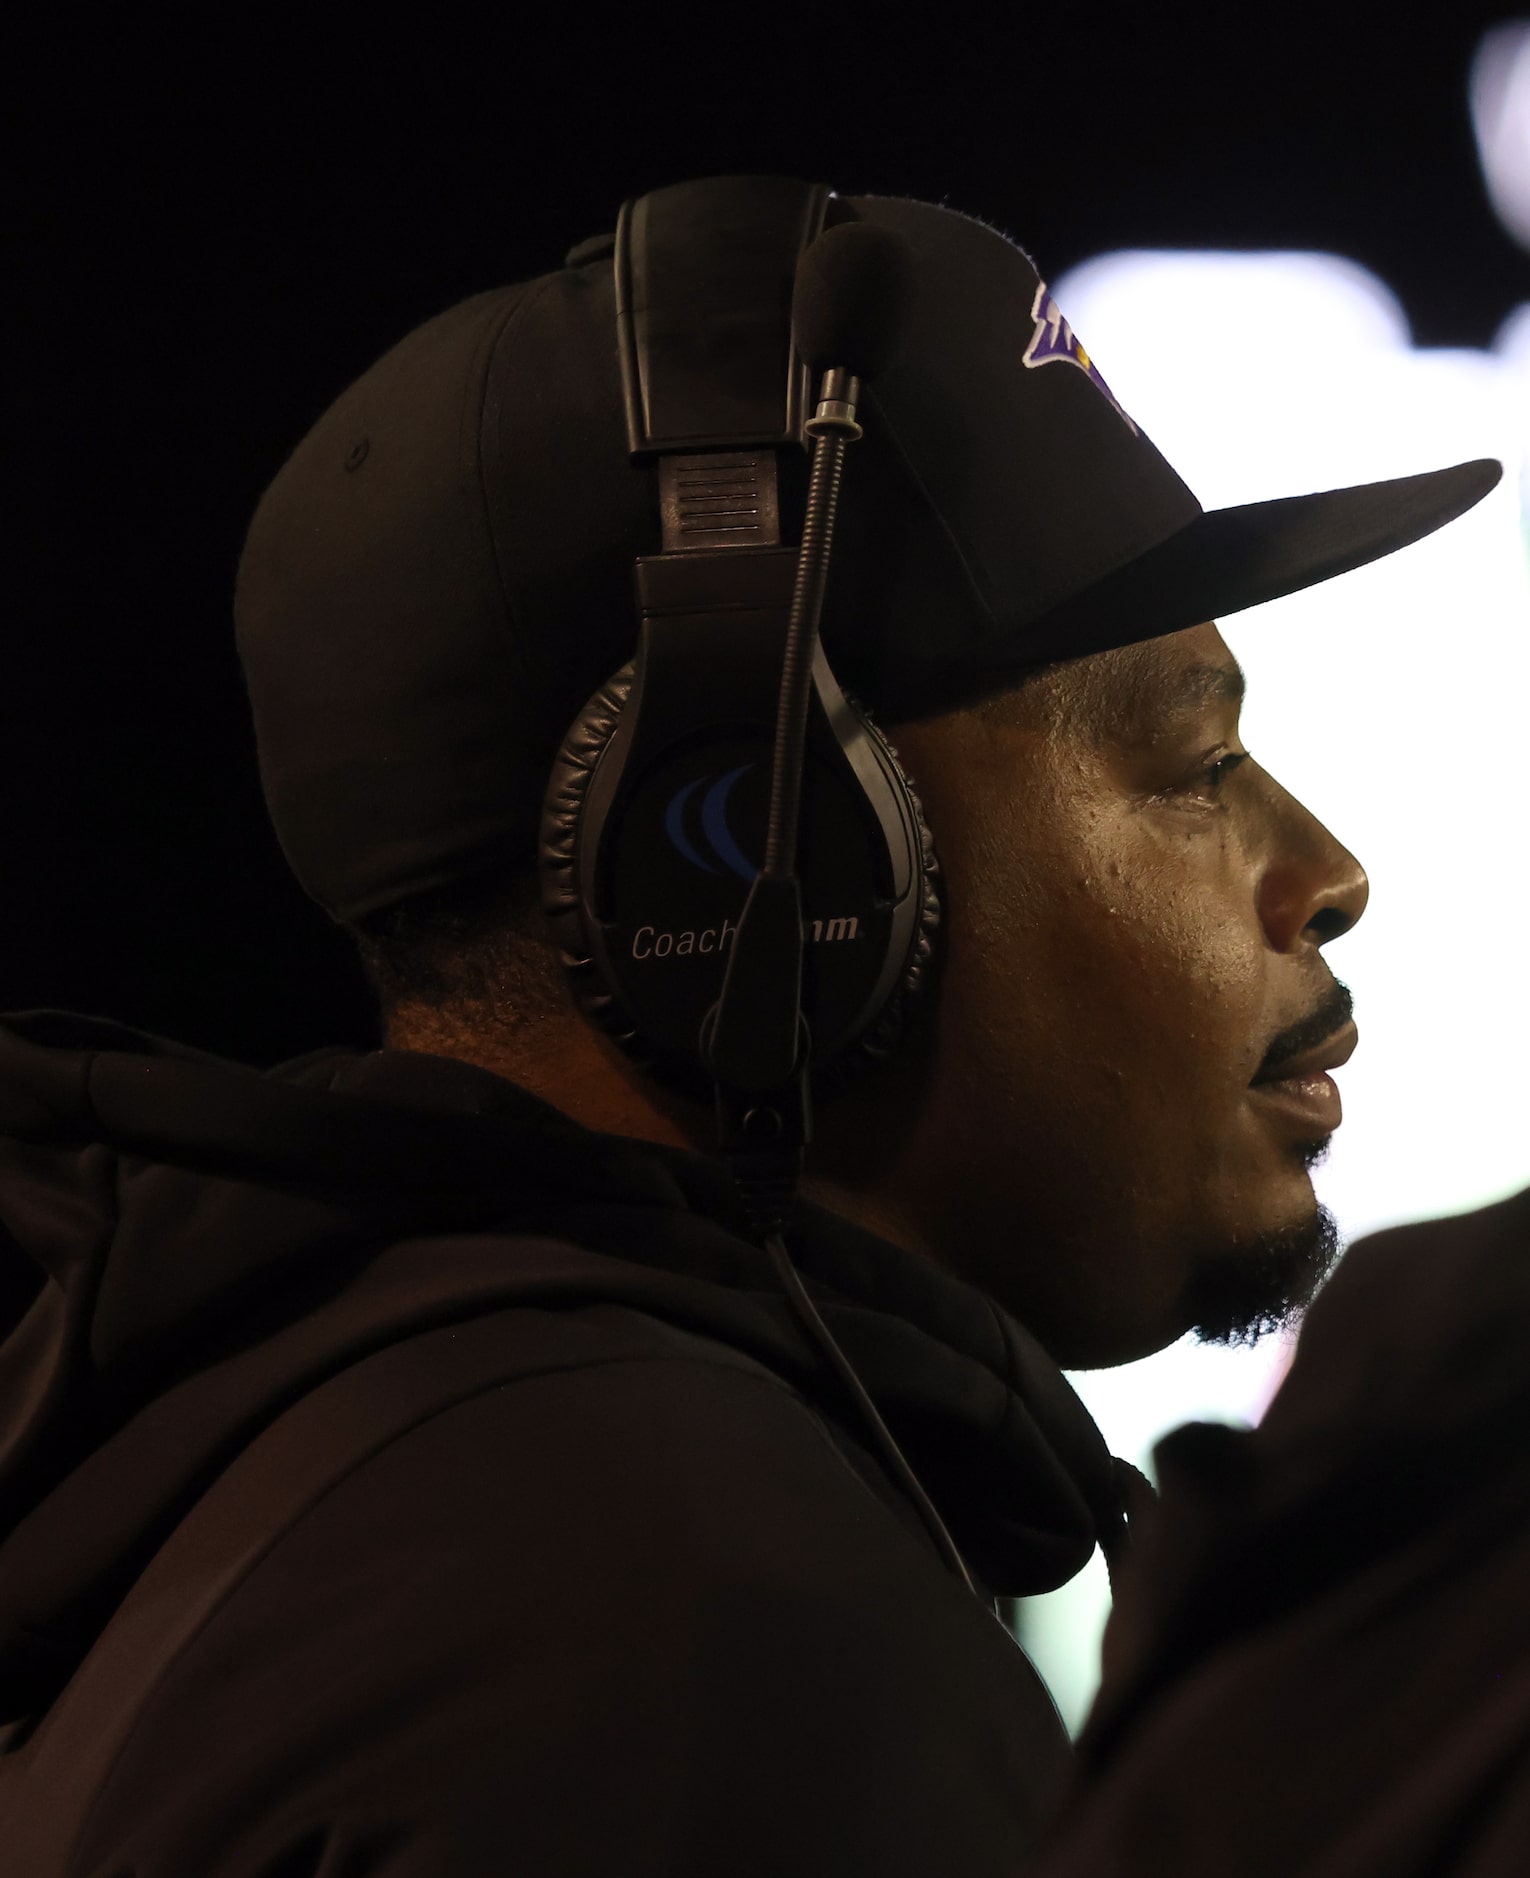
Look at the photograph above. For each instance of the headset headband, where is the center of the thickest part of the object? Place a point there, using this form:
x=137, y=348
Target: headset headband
x=704, y=274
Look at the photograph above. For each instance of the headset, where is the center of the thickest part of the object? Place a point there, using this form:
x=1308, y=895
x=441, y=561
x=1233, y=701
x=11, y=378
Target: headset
x=736, y=868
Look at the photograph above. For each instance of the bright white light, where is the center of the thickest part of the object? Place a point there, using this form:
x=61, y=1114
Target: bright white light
x=1390, y=701
x=1500, y=98
x=1511, y=348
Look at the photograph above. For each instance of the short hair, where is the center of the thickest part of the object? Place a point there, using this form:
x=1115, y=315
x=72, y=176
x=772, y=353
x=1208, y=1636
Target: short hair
x=481, y=944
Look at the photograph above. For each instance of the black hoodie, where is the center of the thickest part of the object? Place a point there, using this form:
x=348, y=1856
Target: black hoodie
x=399, y=1478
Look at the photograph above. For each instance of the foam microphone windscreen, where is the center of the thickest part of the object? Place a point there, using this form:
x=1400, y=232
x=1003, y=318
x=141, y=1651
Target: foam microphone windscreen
x=852, y=297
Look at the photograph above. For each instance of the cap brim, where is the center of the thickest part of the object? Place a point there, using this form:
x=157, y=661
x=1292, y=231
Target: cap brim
x=1230, y=559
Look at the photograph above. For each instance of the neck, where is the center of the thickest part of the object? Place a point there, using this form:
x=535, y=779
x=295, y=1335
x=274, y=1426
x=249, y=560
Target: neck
x=565, y=1063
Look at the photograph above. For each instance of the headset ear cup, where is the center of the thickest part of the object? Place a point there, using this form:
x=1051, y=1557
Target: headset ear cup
x=563, y=809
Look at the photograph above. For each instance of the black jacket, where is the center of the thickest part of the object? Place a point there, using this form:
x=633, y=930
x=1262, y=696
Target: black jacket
x=401, y=1479
x=1319, y=1662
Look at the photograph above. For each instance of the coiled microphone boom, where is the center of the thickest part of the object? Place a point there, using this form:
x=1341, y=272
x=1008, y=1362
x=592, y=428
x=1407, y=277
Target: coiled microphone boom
x=850, y=309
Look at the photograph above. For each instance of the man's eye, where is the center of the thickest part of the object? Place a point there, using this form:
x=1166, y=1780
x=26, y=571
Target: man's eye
x=1202, y=788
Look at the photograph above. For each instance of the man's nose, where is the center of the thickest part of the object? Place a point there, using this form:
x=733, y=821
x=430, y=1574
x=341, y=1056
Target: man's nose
x=1313, y=888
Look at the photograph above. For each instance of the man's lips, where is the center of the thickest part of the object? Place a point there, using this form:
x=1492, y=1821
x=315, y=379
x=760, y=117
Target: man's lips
x=1301, y=1088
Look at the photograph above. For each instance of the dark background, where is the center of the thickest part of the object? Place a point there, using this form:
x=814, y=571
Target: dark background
x=211, y=239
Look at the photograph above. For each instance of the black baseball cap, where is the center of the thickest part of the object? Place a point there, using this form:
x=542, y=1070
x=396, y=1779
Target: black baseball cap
x=440, y=575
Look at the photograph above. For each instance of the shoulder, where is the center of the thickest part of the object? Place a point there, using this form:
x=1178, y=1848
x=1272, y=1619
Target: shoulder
x=648, y=1585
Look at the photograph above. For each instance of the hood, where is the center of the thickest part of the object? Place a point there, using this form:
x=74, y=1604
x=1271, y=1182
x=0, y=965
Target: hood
x=188, y=1246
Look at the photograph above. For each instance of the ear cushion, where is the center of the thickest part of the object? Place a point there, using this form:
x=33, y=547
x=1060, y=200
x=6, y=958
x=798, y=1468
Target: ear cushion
x=882, y=1036
x=563, y=810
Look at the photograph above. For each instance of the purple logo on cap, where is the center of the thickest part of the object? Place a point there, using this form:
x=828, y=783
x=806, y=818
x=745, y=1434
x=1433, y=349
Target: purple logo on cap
x=1054, y=338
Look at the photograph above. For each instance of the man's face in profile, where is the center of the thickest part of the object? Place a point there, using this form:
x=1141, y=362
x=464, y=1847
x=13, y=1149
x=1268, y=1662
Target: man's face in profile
x=1107, y=1114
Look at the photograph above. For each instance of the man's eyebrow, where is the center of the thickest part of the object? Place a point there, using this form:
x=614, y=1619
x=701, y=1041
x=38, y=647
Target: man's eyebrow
x=1199, y=685
x=1160, y=698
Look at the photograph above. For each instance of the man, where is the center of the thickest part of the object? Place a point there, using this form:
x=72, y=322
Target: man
x=418, y=1467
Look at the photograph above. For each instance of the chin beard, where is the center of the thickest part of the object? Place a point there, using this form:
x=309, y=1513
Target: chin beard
x=1262, y=1285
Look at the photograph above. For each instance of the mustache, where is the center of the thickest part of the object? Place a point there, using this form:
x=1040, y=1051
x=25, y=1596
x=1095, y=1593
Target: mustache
x=1332, y=1013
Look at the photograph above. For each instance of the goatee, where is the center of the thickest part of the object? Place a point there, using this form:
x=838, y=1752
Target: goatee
x=1263, y=1285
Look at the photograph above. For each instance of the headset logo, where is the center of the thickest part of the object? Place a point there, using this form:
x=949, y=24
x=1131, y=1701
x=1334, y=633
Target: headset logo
x=714, y=826
x=649, y=943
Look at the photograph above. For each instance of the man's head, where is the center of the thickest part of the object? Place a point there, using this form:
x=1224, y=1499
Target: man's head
x=1077, y=1118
